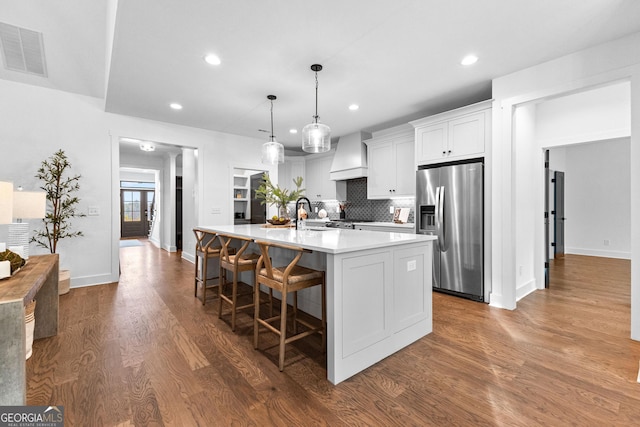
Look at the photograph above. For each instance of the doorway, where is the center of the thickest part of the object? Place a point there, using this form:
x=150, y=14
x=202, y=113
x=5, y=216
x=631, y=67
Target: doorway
x=136, y=207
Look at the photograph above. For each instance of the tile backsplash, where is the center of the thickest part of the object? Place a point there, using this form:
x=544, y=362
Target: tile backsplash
x=360, y=208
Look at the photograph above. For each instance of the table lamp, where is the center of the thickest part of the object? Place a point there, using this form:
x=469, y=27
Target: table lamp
x=26, y=205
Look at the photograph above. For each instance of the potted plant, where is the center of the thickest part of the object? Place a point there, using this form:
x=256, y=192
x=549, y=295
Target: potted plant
x=61, y=208
x=274, y=195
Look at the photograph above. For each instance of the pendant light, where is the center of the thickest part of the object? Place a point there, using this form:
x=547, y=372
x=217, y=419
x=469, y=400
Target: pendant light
x=272, y=151
x=316, y=137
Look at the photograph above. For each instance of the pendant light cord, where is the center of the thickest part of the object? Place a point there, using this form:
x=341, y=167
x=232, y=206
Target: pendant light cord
x=316, y=116
x=271, y=137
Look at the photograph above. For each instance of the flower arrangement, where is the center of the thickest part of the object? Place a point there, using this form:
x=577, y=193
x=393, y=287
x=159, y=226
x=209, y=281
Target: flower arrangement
x=272, y=194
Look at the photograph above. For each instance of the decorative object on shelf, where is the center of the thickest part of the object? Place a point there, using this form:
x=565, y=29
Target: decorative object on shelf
x=272, y=151
x=316, y=137
x=274, y=195
x=15, y=262
x=322, y=214
x=26, y=205
x=62, y=208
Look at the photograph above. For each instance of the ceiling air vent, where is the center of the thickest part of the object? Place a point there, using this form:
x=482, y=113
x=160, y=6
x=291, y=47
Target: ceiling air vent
x=22, y=50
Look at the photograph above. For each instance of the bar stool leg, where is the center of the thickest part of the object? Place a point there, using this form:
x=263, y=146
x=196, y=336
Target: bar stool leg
x=256, y=311
x=195, y=294
x=283, y=329
x=295, y=312
x=222, y=281
x=204, y=279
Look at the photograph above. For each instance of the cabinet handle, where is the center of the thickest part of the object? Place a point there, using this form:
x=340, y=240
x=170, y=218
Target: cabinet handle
x=444, y=152
x=449, y=151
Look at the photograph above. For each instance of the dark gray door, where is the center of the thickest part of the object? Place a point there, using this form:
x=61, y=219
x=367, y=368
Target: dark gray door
x=558, y=213
x=258, y=211
x=136, y=207
x=547, y=237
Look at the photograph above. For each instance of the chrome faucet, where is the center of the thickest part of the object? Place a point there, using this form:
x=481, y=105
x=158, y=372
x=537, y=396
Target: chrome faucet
x=297, y=203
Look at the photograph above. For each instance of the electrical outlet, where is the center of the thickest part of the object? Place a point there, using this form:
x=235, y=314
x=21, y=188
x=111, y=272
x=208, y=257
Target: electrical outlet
x=391, y=209
x=216, y=211
x=606, y=242
x=411, y=265
x=93, y=211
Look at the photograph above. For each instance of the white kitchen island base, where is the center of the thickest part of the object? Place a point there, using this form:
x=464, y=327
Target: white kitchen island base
x=378, y=289
x=378, y=302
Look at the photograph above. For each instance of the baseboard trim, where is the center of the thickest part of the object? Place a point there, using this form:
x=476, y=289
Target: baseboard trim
x=525, y=289
x=599, y=253
x=83, y=281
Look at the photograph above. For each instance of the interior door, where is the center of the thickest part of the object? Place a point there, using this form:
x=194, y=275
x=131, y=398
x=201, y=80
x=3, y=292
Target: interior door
x=547, y=237
x=135, y=212
x=558, y=212
x=258, y=211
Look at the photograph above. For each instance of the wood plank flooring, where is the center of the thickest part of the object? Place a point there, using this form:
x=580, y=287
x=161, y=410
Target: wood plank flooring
x=146, y=352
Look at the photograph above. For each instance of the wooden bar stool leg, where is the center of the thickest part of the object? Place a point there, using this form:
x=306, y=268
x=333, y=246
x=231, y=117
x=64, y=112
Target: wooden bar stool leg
x=295, y=312
x=204, y=279
x=283, y=328
x=222, y=281
x=256, y=310
x=195, y=294
x=234, y=300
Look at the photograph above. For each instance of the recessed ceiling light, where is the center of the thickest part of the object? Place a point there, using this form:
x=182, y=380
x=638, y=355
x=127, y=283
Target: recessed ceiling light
x=353, y=107
x=147, y=146
x=212, y=59
x=175, y=106
x=469, y=60
x=293, y=130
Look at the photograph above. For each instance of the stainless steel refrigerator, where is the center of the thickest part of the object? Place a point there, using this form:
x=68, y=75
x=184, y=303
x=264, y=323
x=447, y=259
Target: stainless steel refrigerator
x=450, y=205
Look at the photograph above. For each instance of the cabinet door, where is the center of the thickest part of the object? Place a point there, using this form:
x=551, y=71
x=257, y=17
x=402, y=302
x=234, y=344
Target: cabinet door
x=405, y=176
x=381, y=178
x=466, y=135
x=328, y=187
x=313, y=169
x=432, y=142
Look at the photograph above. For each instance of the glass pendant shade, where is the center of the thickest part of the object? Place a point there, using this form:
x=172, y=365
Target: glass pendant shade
x=272, y=152
x=316, y=138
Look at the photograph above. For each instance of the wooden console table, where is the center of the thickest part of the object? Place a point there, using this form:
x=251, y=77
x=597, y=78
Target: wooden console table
x=38, y=280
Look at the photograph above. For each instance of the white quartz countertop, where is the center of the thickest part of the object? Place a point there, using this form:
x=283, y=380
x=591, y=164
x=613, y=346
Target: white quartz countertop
x=322, y=239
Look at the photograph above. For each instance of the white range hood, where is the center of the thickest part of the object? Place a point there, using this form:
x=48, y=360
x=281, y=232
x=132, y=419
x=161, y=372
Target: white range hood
x=350, y=159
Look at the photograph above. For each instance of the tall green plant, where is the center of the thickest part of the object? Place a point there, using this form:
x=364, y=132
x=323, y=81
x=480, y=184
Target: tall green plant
x=62, y=204
x=274, y=195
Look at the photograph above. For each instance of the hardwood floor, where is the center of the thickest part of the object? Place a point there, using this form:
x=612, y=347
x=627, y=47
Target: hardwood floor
x=146, y=352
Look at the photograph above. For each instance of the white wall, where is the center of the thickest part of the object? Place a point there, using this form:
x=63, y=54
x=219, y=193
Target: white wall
x=597, y=199
x=37, y=121
x=592, y=68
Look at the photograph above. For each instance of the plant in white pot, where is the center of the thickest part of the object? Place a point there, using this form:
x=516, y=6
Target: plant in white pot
x=61, y=208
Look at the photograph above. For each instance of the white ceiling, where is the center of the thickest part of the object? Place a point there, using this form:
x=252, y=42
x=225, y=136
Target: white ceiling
x=399, y=60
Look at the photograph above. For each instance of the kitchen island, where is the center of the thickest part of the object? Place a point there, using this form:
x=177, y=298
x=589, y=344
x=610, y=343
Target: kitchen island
x=378, y=288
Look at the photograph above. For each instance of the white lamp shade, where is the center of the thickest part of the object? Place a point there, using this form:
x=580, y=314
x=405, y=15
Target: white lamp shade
x=316, y=138
x=29, y=204
x=272, y=153
x=6, y=202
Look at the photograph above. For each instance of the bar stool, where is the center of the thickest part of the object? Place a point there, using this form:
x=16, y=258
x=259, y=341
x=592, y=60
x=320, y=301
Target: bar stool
x=289, y=279
x=235, y=263
x=205, y=250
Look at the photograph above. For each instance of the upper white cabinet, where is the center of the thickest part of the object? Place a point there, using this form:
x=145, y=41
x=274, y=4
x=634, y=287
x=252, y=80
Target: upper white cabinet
x=390, y=155
x=292, y=168
x=455, y=135
x=318, y=184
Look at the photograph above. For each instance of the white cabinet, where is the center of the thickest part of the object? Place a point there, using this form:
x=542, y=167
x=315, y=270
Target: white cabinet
x=292, y=168
x=318, y=185
x=455, y=135
x=391, y=166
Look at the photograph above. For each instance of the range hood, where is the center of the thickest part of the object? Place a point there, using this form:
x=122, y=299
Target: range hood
x=350, y=158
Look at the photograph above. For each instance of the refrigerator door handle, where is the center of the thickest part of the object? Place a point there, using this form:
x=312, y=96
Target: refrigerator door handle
x=441, y=229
